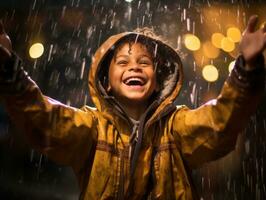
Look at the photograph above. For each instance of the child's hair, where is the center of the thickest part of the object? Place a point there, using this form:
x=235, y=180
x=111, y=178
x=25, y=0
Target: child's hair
x=152, y=42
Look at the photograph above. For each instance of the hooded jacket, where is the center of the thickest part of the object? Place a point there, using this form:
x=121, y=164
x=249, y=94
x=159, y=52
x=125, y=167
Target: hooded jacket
x=170, y=140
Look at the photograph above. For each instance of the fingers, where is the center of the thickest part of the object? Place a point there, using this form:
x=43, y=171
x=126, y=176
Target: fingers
x=252, y=22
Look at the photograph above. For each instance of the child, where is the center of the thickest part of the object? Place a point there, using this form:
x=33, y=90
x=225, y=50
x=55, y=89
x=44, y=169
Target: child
x=136, y=144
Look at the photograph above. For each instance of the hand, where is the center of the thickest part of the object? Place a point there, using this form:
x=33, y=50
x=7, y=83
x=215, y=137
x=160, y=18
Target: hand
x=5, y=45
x=253, y=42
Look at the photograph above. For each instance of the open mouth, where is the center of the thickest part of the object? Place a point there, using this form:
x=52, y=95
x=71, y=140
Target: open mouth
x=134, y=81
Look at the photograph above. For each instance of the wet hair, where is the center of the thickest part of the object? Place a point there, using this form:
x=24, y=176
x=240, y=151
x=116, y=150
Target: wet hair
x=150, y=45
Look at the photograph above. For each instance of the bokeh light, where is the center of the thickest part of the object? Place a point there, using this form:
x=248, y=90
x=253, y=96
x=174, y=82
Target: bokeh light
x=210, y=73
x=210, y=50
x=192, y=42
x=234, y=34
x=231, y=66
x=217, y=39
x=36, y=50
x=227, y=44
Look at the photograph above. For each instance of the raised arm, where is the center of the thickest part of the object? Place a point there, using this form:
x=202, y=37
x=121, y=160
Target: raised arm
x=210, y=131
x=63, y=133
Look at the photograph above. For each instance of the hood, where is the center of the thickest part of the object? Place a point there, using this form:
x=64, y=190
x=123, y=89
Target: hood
x=169, y=72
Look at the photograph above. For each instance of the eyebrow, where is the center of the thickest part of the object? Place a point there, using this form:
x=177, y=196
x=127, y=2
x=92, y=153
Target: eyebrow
x=126, y=56
x=121, y=56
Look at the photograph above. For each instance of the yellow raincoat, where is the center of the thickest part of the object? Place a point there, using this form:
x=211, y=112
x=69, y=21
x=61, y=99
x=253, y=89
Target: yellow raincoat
x=171, y=140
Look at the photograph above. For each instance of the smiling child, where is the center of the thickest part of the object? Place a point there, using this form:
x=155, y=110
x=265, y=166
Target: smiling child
x=135, y=143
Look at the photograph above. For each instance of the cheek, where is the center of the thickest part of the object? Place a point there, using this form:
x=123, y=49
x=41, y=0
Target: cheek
x=152, y=76
x=154, y=81
x=115, y=77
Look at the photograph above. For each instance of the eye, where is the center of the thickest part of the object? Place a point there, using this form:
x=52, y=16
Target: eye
x=122, y=62
x=145, y=62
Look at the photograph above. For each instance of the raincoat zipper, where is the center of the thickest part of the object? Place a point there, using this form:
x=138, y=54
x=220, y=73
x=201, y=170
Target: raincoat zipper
x=133, y=140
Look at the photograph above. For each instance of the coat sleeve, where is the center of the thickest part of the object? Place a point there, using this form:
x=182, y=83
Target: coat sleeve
x=210, y=131
x=63, y=133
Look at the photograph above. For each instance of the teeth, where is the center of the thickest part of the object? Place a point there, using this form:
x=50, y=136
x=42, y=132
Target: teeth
x=134, y=79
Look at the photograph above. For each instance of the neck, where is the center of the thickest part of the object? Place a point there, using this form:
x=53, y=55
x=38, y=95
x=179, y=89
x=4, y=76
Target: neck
x=134, y=110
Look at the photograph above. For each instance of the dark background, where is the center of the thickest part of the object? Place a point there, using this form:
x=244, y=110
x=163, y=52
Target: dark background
x=71, y=31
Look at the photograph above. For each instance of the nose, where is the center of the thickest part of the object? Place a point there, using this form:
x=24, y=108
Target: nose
x=135, y=67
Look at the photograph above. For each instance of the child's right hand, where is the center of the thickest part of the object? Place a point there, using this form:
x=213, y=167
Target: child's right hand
x=253, y=42
x=7, y=71
x=5, y=45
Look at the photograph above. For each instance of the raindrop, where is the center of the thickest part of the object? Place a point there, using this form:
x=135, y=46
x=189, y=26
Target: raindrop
x=193, y=95
x=189, y=3
x=155, y=49
x=82, y=68
x=63, y=11
x=113, y=20
x=201, y=18
x=148, y=6
x=247, y=146
x=139, y=4
x=75, y=53
x=31, y=155
x=188, y=24
x=50, y=52
x=128, y=14
x=184, y=14
x=72, y=3
x=179, y=42
x=34, y=4
x=143, y=20
x=39, y=166
x=85, y=100
x=100, y=36
x=35, y=64
x=193, y=27
x=209, y=5
x=77, y=4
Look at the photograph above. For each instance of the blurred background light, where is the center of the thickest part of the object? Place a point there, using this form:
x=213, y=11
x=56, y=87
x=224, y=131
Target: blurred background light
x=192, y=42
x=210, y=50
x=217, y=39
x=210, y=73
x=231, y=66
x=36, y=50
x=128, y=1
x=200, y=58
x=234, y=34
x=227, y=44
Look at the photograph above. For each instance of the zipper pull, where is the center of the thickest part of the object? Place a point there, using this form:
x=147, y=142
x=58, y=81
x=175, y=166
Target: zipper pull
x=130, y=150
x=137, y=135
x=133, y=139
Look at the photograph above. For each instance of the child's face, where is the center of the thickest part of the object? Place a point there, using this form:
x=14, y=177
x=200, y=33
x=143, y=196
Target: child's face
x=132, y=77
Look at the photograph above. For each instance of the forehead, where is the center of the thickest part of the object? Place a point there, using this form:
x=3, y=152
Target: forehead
x=131, y=48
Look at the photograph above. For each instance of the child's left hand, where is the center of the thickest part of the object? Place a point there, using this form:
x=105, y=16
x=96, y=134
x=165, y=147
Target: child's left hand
x=253, y=42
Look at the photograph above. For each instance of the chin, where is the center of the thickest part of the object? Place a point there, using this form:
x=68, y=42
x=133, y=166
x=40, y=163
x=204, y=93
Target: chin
x=137, y=99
